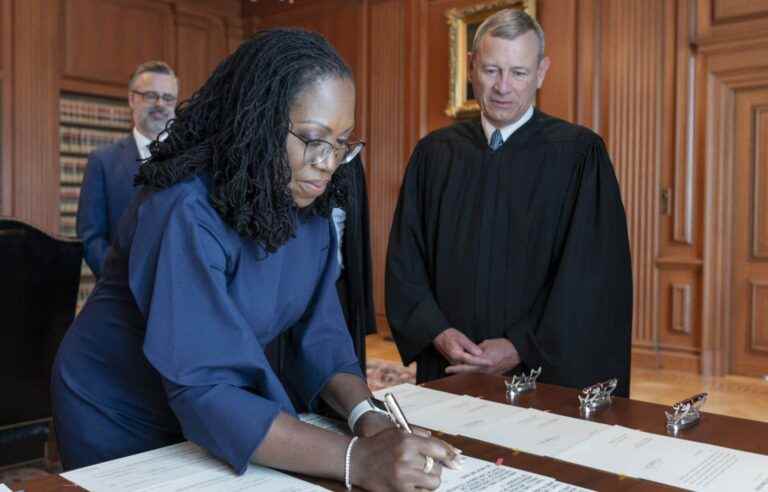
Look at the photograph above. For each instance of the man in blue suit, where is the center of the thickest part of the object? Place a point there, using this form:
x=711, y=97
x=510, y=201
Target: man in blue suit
x=108, y=181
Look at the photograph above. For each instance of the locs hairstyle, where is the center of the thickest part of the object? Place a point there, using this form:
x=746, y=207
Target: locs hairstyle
x=235, y=127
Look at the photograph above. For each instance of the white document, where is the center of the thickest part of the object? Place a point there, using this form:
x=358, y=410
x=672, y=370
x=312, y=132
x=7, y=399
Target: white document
x=677, y=462
x=609, y=451
x=718, y=468
x=462, y=415
x=482, y=475
x=3, y=488
x=412, y=398
x=183, y=466
x=537, y=432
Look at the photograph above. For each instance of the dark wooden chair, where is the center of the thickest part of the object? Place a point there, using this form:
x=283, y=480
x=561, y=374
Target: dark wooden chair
x=38, y=295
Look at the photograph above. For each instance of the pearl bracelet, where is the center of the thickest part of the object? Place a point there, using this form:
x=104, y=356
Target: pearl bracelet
x=347, y=460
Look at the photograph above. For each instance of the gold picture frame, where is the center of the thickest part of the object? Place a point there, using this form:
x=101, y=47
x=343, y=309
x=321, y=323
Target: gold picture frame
x=462, y=25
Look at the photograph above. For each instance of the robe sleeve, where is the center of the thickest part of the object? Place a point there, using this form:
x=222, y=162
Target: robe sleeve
x=412, y=311
x=212, y=365
x=357, y=250
x=356, y=285
x=579, y=329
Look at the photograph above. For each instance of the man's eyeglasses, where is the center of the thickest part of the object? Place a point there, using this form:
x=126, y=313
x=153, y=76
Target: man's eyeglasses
x=317, y=151
x=152, y=97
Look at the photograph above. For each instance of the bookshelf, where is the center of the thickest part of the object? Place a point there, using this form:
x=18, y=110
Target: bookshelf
x=85, y=124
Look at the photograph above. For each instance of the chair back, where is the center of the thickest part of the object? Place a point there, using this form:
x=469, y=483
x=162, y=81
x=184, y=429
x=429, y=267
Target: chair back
x=38, y=295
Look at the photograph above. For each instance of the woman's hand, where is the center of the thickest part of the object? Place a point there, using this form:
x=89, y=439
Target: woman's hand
x=371, y=423
x=394, y=461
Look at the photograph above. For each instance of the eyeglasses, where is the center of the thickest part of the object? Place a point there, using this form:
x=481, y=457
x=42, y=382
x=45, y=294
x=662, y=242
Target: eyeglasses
x=152, y=97
x=317, y=151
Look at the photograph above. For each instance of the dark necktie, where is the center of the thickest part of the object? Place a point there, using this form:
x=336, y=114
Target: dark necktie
x=496, y=140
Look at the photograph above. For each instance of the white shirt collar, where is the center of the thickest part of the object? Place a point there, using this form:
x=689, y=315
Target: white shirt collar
x=508, y=130
x=142, y=142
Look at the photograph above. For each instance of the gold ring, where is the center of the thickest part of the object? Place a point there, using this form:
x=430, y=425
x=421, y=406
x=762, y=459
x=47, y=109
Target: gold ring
x=429, y=464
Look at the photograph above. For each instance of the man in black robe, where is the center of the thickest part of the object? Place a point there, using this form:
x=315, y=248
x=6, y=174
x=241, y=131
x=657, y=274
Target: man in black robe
x=509, y=246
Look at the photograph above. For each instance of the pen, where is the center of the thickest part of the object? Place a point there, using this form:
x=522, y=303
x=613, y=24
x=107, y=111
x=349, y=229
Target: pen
x=396, y=413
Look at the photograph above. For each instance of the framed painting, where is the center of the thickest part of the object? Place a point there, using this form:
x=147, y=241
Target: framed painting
x=463, y=24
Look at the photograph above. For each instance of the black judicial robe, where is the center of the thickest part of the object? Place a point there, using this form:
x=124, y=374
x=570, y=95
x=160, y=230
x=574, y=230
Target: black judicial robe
x=528, y=243
x=355, y=284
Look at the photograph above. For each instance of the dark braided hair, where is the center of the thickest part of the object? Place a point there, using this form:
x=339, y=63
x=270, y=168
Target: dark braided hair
x=235, y=127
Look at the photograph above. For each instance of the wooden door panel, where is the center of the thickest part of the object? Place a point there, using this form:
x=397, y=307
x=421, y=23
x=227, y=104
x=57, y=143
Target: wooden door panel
x=679, y=310
x=750, y=239
x=104, y=41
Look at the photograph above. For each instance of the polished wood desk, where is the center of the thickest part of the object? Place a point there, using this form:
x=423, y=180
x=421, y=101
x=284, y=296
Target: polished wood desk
x=720, y=430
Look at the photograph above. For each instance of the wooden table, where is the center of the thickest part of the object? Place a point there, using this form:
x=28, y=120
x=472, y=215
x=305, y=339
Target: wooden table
x=720, y=430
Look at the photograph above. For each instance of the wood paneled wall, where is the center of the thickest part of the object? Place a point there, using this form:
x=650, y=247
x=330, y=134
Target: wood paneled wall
x=33, y=171
x=94, y=34
x=676, y=88
x=386, y=109
x=6, y=108
x=90, y=47
x=632, y=100
x=104, y=40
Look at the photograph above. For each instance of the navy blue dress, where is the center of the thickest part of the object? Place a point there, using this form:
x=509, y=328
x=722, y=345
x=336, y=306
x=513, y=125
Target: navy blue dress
x=170, y=344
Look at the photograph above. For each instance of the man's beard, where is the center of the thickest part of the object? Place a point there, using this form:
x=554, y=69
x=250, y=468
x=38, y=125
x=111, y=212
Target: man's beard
x=156, y=125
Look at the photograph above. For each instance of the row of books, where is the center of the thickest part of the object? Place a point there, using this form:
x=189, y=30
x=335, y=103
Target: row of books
x=85, y=123
x=68, y=200
x=83, y=141
x=71, y=170
x=75, y=110
x=67, y=225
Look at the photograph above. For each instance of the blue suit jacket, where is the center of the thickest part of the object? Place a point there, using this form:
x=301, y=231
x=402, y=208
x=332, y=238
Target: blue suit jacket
x=107, y=188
